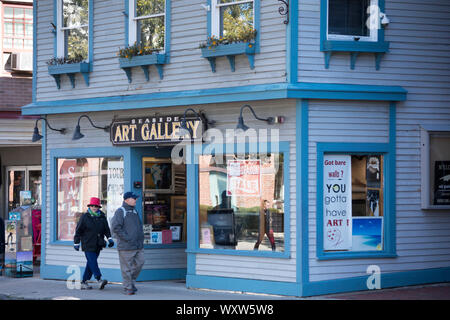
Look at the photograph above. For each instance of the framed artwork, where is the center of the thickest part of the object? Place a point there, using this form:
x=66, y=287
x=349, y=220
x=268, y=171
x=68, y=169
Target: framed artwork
x=178, y=208
x=159, y=175
x=177, y=231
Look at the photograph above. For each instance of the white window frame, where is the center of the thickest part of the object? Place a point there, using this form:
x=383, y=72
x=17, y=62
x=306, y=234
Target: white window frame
x=132, y=22
x=373, y=32
x=60, y=29
x=425, y=132
x=215, y=14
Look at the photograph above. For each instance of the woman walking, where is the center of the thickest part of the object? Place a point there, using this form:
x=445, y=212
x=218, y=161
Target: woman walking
x=91, y=231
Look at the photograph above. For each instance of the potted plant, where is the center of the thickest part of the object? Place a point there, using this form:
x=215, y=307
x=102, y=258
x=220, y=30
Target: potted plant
x=69, y=66
x=140, y=55
x=242, y=42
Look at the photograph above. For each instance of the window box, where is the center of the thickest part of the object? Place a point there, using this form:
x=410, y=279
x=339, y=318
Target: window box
x=230, y=51
x=70, y=70
x=144, y=62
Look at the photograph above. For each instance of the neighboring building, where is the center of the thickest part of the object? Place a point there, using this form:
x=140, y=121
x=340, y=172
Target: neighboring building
x=360, y=185
x=20, y=162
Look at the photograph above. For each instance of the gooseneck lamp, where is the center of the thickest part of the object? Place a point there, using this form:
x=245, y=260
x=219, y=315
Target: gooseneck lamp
x=78, y=135
x=37, y=136
x=200, y=116
x=241, y=124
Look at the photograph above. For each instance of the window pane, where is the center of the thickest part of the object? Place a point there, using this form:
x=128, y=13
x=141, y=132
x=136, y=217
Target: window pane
x=35, y=185
x=235, y=19
x=29, y=14
x=18, y=29
x=8, y=28
x=16, y=183
x=18, y=43
x=78, y=181
x=151, y=32
x=149, y=7
x=19, y=13
x=9, y=12
x=29, y=29
x=28, y=44
x=242, y=203
x=440, y=168
x=348, y=17
x=76, y=43
x=7, y=42
x=75, y=12
x=353, y=207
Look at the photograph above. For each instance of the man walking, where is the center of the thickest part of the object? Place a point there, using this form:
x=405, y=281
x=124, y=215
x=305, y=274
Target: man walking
x=128, y=230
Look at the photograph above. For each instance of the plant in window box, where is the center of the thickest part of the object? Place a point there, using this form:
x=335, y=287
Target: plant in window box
x=69, y=66
x=141, y=55
x=241, y=42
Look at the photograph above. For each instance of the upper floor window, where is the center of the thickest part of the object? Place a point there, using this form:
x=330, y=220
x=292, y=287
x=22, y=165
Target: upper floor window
x=231, y=18
x=352, y=20
x=73, y=29
x=17, y=28
x=147, y=23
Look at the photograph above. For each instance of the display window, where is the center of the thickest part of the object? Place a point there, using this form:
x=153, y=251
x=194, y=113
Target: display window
x=79, y=179
x=353, y=206
x=164, y=201
x=242, y=202
x=435, y=167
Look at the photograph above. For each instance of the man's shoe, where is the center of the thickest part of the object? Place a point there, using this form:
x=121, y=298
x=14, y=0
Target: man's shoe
x=85, y=286
x=101, y=284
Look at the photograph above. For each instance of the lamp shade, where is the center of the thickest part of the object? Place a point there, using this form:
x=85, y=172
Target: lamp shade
x=77, y=134
x=241, y=124
x=36, y=135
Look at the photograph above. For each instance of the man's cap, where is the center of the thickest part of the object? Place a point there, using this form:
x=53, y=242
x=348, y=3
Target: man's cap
x=130, y=194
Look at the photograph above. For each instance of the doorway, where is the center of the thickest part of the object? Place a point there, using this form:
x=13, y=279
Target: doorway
x=23, y=186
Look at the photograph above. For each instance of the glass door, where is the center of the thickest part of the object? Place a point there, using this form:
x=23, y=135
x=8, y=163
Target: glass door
x=25, y=178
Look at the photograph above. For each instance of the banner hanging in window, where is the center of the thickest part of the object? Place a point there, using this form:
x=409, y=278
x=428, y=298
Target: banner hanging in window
x=244, y=178
x=337, y=202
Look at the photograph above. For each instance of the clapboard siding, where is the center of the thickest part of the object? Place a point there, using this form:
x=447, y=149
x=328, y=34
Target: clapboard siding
x=226, y=117
x=423, y=237
x=186, y=70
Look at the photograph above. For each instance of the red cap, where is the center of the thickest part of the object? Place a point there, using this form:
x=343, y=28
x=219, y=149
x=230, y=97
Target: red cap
x=94, y=202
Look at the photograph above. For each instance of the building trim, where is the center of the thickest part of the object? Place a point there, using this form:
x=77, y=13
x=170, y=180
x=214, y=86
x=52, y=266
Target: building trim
x=220, y=95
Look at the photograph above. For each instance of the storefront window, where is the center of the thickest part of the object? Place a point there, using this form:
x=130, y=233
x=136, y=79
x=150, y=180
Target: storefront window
x=440, y=168
x=241, y=202
x=80, y=179
x=353, y=206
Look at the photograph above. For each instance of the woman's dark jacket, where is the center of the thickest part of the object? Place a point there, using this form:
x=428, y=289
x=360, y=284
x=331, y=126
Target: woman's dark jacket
x=91, y=231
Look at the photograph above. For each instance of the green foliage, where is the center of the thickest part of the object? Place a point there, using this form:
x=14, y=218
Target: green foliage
x=138, y=49
x=246, y=35
x=65, y=60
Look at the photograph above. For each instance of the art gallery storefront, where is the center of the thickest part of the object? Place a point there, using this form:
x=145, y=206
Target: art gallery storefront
x=209, y=206
x=322, y=183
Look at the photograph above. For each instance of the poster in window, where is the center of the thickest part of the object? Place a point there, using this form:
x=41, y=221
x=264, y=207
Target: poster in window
x=68, y=196
x=441, y=183
x=244, y=178
x=337, y=202
x=114, y=187
x=367, y=234
x=373, y=202
x=373, y=171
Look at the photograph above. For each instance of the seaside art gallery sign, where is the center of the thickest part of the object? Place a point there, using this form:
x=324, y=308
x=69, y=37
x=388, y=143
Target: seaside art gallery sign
x=154, y=130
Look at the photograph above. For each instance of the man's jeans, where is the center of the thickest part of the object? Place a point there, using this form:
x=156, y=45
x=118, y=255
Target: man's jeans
x=131, y=263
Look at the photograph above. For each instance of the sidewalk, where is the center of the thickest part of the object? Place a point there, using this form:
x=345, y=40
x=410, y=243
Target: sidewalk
x=38, y=289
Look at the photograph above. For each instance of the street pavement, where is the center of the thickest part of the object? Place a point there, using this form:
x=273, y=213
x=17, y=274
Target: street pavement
x=34, y=288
